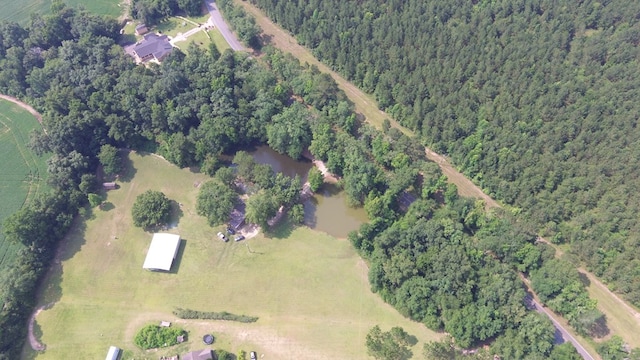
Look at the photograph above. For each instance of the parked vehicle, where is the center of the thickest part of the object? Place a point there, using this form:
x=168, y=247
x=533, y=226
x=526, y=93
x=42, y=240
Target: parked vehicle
x=254, y=356
x=231, y=231
x=238, y=237
x=222, y=237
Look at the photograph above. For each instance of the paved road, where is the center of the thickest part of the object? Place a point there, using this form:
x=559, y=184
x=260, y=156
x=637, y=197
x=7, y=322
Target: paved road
x=561, y=335
x=217, y=21
x=565, y=334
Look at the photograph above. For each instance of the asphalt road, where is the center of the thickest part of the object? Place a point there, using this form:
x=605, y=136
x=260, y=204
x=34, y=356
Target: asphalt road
x=562, y=335
x=217, y=21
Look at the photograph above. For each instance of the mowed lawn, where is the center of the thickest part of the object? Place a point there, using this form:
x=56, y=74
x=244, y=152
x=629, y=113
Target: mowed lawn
x=22, y=173
x=309, y=290
x=20, y=10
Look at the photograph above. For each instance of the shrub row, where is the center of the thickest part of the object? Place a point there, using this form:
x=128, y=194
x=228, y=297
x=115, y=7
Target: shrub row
x=212, y=315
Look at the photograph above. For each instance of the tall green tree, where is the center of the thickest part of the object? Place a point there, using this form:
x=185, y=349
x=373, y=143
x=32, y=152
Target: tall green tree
x=388, y=345
x=151, y=209
x=315, y=178
x=215, y=202
x=261, y=207
x=110, y=159
x=290, y=132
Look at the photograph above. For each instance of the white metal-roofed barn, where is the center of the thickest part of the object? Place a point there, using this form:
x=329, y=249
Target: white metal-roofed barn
x=163, y=250
x=113, y=354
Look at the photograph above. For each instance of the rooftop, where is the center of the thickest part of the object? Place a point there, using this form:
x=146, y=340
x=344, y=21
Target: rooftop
x=153, y=46
x=162, y=251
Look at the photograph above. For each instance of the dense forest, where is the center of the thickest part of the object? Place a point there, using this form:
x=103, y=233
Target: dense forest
x=535, y=100
x=440, y=260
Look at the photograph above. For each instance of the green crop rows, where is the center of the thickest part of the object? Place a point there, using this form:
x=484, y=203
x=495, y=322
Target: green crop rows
x=21, y=172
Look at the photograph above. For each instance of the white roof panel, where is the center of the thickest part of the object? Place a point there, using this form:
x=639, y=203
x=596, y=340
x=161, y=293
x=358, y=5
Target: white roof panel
x=162, y=251
x=113, y=353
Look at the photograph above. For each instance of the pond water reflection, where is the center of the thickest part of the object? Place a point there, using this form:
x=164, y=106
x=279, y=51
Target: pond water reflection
x=327, y=210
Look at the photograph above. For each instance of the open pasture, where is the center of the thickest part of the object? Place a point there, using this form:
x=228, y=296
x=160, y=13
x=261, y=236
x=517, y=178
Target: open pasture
x=22, y=175
x=309, y=290
x=20, y=10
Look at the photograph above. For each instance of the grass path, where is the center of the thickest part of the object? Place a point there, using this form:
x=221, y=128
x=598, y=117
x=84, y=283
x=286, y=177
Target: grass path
x=622, y=318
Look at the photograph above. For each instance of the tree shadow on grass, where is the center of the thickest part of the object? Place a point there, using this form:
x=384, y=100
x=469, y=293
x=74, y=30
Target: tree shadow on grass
x=107, y=206
x=600, y=328
x=128, y=170
x=584, y=279
x=281, y=230
x=165, y=26
x=50, y=290
x=126, y=39
x=176, y=214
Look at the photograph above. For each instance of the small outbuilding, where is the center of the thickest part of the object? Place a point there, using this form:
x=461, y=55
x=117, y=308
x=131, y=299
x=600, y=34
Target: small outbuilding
x=114, y=353
x=109, y=186
x=141, y=29
x=163, y=250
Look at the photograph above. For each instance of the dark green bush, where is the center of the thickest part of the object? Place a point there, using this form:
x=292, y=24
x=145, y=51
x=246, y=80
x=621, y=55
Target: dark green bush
x=154, y=336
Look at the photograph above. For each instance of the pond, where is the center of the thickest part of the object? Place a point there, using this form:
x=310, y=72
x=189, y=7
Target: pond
x=281, y=163
x=327, y=210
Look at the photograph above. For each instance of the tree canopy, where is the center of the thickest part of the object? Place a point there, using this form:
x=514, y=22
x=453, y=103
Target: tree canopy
x=110, y=159
x=215, y=202
x=388, y=345
x=151, y=209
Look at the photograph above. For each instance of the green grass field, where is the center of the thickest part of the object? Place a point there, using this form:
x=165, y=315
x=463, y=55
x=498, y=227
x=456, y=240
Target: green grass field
x=310, y=291
x=19, y=11
x=22, y=172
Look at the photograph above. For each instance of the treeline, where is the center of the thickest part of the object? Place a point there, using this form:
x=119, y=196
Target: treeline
x=44, y=221
x=532, y=99
x=151, y=12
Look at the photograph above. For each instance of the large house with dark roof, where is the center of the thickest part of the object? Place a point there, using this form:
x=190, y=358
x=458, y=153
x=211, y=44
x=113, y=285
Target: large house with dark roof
x=152, y=47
